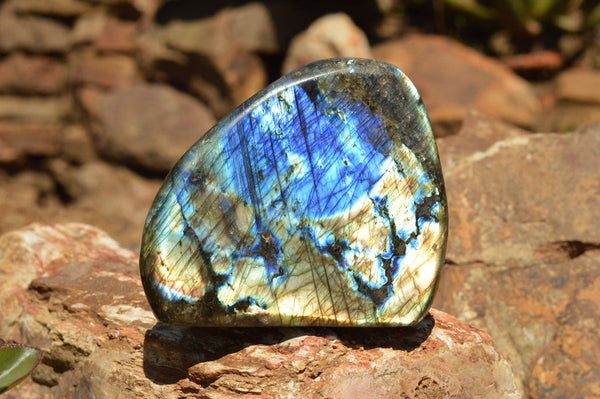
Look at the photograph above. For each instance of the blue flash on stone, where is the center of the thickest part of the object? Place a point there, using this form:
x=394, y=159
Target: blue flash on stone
x=319, y=201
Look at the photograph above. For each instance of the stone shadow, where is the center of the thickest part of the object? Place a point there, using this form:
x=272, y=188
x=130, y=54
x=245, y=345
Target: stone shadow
x=170, y=350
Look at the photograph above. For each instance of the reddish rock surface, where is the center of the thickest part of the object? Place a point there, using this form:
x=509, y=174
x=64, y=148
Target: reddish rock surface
x=524, y=254
x=477, y=134
x=539, y=61
x=20, y=139
x=112, y=71
x=508, y=202
x=453, y=79
x=116, y=35
x=72, y=291
x=31, y=75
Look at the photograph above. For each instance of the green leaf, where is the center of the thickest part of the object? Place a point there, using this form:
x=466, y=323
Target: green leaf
x=541, y=9
x=16, y=363
x=593, y=17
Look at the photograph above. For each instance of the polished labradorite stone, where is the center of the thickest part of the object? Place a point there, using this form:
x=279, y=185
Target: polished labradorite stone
x=319, y=201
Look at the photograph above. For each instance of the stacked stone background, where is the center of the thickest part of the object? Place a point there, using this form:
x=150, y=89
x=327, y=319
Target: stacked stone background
x=98, y=99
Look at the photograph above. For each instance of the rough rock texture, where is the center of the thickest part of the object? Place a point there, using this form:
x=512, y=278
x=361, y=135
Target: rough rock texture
x=523, y=256
x=477, y=134
x=453, y=78
x=151, y=126
x=524, y=253
x=72, y=291
x=522, y=194
x=331, y=36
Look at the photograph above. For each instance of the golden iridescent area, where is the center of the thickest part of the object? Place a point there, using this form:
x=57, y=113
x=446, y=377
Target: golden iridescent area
x=319, y=201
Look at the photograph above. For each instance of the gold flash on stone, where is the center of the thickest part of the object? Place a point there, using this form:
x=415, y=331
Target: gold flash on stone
x=319, y=201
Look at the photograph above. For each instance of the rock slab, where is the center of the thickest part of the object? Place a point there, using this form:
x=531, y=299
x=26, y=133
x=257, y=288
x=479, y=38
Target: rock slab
x=524, y=250
x=72, y=291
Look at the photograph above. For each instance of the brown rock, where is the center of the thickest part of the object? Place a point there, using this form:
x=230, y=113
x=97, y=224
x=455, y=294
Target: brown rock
x=224, y=71
x=89, y=26
x=524, y=258
x=76, y=145
x=453, y=78
x=570, y=367
x=19, y=139
x=248, y=28
x=116, y=35
x=54, y=8
x=477, y=134
x=25, y=189
x=580, y=85
x=330, y=36
x=150, y=126
x=341, y=364
x=530, y=312
x=578, y=101
x=567, y=116
x=25, y=197
x=34, y=34
x=68, y=263
x=244, y=74
x=20, y=74
x=221, y=80
x=153, y=51
x=109, y=196
x=51, y=109
x=75, y=293
x=250, y=25
x=508, y=200
x=538, y=62
x=89, y=99
x=110, y=71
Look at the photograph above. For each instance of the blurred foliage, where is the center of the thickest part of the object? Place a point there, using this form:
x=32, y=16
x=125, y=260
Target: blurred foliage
x=17, y=362
x=512, y=26
x=530, y=16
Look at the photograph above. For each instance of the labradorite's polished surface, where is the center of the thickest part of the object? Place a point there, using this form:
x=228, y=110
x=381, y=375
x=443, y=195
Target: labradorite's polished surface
x=319, y=201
